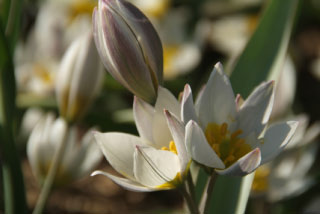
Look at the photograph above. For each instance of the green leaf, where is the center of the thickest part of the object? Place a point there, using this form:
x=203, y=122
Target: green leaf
x=10, y=15
x=14, y=192
x=263, y=55
x=266, y=49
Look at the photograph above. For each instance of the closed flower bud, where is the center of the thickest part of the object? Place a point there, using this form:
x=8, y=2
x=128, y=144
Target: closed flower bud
x=79, y=78
x=129, y=47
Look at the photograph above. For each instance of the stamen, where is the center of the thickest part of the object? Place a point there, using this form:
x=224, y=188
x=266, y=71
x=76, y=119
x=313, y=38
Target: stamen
x=172, y=147
x=165, y=148
x=223, y=129
x=236, y=134
x=228, y=146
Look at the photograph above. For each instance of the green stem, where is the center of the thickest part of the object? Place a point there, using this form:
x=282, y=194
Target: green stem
x=189, y=200
x=191, y=188
x=11, y=18
x=46, y=188
x=13, y=185
x=206, y=196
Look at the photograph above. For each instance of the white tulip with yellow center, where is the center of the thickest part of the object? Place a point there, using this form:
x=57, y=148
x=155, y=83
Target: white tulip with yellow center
x=157, y=160
x=229, y=134
x=81, y=154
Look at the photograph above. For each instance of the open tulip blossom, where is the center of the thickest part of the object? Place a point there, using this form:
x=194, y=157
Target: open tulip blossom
x=157, y=160
x=229, y=134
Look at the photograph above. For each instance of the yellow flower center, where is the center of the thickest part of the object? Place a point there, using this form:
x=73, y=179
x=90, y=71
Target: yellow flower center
x=169, y=53
x=81, y=7
x=260, y=181
x=156, y=8
x=62, y=177
x=252, y=23
x=172, y=147
x=228, y=146
x=43, y=73
x=178, y=179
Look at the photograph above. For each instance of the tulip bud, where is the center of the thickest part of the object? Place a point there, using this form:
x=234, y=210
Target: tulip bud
x=129, y=47
x=79, y=78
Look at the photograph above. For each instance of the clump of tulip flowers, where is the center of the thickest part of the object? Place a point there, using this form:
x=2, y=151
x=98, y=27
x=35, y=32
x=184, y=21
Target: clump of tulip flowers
x=221, y=132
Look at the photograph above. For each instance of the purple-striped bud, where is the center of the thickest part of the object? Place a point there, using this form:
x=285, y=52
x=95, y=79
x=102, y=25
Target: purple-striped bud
x=129, y=47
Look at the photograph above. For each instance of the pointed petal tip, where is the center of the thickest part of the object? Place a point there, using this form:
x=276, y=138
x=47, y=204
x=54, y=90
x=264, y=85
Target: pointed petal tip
x=251, y=161
x=187, y=87
x=166, y=112
x=96, y=173
x=218, y=66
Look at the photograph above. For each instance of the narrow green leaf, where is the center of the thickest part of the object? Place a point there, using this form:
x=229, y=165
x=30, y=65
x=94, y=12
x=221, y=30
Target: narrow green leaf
x=13, y=185
x=263, y=55
x=266, y=48
x=10, y=15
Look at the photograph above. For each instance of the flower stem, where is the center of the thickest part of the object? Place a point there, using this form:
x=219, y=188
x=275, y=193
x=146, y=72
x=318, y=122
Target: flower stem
x=206, y=196
x=191, y=203
x=46, y=188
x=191, y=187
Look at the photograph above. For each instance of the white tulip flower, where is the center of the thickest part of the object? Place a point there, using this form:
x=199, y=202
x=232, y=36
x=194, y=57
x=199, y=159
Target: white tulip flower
x=79, y=78
x=229, y=134
x=157, y=160
x=81, y=154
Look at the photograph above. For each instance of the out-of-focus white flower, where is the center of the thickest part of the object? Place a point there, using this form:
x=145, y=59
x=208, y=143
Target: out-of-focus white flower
x=157, y=160
x=287, y=175
x=230, y=34
x=79, y=78
x=181, y=52
x=57, y=24
x=217, y=8
x=153, y=8
x=129, y=47
x=33, y=75
x=80, y=157
x=30, y=118
x=232, y=136
x=285, y=89
x=315, y=67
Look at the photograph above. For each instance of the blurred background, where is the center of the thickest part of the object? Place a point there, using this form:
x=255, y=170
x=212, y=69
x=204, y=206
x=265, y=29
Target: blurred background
x=195, y=34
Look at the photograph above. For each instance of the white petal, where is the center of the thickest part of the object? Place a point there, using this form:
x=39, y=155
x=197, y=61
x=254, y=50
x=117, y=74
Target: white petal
x=217, y=102
x=199, y=148
x=160, y=130
x=37, y=141
x=299, y=136
x=89, y=153
x=125, y=183
x=187, y=106
x=198, y=99
x=244, y=165
x=143, y=115
x=118, y=148
x=166, y=100
x=154, y=167
x=311, y=134
x=255, y=111
x=275, y=139
x=52, y=136
x=178, y=133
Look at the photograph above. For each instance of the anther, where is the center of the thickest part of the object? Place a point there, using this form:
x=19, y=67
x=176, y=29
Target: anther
x=223, y=129
x=236, y=133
